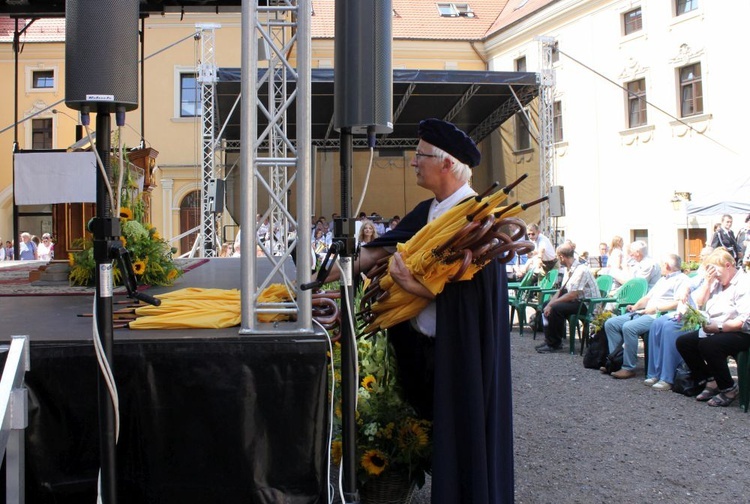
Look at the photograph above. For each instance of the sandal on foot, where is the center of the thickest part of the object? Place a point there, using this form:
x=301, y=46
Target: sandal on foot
x=707, y=393
x=722, y=399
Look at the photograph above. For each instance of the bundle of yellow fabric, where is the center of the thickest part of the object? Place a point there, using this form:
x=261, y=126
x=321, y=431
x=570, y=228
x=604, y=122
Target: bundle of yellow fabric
x=191, y=308
x=428, y=267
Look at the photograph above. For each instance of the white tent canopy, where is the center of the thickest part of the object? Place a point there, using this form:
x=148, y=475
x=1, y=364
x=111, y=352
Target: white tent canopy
x=731, y=198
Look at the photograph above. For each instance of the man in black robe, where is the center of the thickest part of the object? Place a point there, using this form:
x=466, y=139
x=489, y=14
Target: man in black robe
x=454, y=357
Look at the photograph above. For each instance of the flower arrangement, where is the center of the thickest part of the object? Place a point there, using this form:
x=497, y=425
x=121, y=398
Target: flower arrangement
x=390, y=436
x=691, y=318
x=599, y=321
x=150, y=254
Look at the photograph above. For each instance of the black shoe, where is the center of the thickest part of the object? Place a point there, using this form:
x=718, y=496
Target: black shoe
x=549, y=349
x=537, y=347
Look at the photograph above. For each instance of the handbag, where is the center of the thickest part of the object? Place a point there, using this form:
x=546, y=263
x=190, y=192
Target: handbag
x=684, y=383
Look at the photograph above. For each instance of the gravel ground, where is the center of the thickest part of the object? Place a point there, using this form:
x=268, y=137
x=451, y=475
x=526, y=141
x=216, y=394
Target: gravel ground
x=584, y=437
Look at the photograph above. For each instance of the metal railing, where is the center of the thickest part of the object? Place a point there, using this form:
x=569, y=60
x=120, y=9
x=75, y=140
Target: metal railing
x=14, y=418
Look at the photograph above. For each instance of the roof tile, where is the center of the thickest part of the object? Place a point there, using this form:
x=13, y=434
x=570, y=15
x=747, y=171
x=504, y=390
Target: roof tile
x=40, y=30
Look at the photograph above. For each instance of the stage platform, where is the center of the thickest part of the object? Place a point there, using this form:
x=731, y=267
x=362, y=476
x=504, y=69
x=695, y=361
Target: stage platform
x=207, y=416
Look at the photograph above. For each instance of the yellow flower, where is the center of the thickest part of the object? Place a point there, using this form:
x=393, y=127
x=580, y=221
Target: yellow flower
x=139, y=267
x=124, y=241
x=157, y=236
x=172, y=274
x=374, y=462
x=336, y=452
x=368, y=382
x=412, y=436
x=126, y=213
x=71, y=259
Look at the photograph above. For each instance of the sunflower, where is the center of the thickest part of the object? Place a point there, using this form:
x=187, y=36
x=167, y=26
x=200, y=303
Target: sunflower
x=172, y=274
x=71, y=259
x=126, y=213
x=368, y=382
x=139, y=267
x=412, y=436
x=336, y=452
x=123, y=240
x=374, y=462
x=156, y=235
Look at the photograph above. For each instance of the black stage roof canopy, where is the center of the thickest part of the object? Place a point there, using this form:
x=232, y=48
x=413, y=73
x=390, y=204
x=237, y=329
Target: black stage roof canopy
x=56, y=8
x=476, y=101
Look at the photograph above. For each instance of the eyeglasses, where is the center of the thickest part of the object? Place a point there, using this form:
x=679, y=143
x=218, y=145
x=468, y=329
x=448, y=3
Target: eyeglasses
x=421, y=155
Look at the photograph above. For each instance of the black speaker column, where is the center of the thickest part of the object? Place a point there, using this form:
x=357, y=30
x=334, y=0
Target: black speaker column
x=363, y=97
x=101, y=76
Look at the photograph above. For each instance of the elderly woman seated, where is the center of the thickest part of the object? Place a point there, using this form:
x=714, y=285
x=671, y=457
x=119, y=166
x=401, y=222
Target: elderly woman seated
x=663, y=357
x=726, y=294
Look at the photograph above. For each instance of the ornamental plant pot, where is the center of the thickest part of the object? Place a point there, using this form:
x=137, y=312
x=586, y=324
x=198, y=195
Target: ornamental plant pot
x=391, y=487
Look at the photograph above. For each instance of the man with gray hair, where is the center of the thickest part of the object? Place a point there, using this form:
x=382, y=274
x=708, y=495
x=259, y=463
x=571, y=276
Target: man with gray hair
x=624, y=330
x=577, y=283
x=641, y=265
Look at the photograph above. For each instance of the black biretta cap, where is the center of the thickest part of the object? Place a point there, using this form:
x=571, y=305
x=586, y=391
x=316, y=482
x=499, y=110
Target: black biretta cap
x=452, y=140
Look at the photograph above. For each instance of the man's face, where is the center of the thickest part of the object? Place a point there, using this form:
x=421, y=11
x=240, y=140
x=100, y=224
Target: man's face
x=603, y=250
x=726, y=223
x=664, y=269
x=427, y=166
x=636, y=255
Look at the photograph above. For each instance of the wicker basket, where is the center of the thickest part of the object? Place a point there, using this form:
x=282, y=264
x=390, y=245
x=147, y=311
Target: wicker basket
x=388, y=488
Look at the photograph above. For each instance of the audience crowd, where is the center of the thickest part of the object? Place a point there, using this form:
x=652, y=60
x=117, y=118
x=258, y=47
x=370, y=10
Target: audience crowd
x=689, y=318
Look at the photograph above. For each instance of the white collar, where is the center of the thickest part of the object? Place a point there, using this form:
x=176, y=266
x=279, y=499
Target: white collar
x=438, y=208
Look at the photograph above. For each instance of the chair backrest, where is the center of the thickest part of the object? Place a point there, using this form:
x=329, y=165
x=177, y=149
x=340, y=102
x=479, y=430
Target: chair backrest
x=528, y=277
x=548, y=281
x=631, y=291
x=604, y=282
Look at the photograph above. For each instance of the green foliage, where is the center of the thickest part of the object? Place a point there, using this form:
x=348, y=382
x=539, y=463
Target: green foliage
x=390, y=436
x=692, y=319
x=599, y=321
x=150, y=254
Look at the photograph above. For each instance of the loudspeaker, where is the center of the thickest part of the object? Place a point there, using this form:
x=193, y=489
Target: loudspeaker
x=216, y=195
x=556, y=201
x=363, y=80
x=101, y=54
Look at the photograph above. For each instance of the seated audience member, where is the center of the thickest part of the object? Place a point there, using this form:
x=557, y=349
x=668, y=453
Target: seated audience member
x=367, y=232
x=726, y=294
x=663, y=357
x=542, y=259
x=393, y=223
x=624, y=330
x=603, y=255
x=9, y=252
x=319, y=245
x=226, y=249
x=641, y=265
x=577, y=283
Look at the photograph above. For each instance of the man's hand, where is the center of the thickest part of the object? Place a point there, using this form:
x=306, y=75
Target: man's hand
x=402, y=276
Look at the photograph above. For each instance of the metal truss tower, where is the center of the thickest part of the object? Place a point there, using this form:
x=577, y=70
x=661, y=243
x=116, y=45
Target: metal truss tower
x=206, y=79
x=273, y=163
x=546, y=127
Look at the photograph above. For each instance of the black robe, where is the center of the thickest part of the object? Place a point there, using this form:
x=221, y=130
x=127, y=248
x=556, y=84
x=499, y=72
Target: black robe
x=471, y=400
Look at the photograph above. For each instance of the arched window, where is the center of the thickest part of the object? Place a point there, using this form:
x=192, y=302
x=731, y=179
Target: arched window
x=190, y=213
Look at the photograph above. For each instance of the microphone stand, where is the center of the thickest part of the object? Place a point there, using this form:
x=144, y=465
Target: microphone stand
x=343, y=245
x=107, y=246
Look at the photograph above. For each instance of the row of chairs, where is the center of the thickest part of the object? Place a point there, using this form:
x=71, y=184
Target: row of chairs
x=523, y=295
